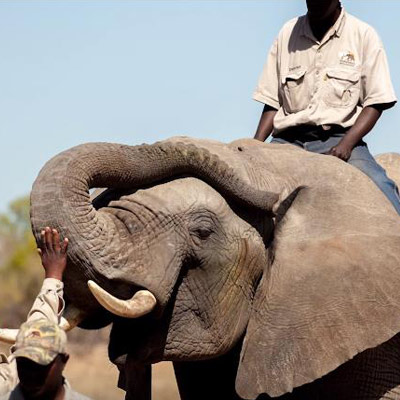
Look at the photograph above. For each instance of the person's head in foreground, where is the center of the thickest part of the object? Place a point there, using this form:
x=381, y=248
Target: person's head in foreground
x=40, y=353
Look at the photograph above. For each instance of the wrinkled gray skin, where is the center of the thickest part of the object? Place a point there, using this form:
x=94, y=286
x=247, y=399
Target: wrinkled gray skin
x=272, y=266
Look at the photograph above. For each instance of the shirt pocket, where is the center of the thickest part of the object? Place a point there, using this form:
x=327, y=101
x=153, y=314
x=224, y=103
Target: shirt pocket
x=295, y=91
x=342, y=88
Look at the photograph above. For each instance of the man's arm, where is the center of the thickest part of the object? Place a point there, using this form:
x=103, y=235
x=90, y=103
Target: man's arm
x=363, y=125
x=266, y=92
x=266, y=124
x=377, y=94
x=49, y=303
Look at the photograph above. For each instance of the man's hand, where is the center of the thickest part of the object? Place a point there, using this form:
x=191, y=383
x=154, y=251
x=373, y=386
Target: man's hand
x=342, y=151
x=53, y=253
x=364, y=123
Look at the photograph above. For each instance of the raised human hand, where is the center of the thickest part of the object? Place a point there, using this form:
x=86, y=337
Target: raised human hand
x=53, y=253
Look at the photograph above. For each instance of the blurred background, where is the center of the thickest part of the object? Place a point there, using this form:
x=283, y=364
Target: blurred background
x=132, y=72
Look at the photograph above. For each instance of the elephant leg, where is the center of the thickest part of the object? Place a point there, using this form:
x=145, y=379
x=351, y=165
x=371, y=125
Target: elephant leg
x=211, y=379
x=137, y=380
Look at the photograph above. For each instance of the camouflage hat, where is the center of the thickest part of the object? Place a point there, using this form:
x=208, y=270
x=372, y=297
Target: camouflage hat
x=40, y=341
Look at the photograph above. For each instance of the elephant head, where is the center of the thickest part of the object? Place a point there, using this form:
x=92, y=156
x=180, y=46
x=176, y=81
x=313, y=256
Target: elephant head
x=244, y=241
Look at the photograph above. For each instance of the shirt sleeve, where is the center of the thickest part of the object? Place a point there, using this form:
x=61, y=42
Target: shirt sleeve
x=8, y=375
x=376, y=85
x=267, y=88
x=47, y=303
x=45, y=306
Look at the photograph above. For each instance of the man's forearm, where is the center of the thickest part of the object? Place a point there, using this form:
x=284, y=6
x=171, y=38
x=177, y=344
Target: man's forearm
x=266, y=124
x=49, y=303
x=363, y=125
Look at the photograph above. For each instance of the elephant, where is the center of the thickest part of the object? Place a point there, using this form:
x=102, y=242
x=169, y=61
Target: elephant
x=259, y=270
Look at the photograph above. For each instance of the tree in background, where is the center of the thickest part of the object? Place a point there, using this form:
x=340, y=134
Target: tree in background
x=20, y=276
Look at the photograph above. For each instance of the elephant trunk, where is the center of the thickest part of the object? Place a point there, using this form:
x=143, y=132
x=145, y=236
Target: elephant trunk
x=60, y=195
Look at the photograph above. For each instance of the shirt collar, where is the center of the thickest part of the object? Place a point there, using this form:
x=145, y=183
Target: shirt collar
x=339, y=24
x=336, y=29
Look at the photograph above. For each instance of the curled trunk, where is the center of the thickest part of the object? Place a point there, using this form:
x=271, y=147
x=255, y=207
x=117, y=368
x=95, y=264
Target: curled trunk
x=60, y=198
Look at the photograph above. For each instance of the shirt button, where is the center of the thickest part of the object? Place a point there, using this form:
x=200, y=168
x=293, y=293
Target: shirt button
x=317, y=73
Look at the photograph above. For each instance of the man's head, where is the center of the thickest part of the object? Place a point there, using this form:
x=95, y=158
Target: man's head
x=319, y=10
x=40, y=351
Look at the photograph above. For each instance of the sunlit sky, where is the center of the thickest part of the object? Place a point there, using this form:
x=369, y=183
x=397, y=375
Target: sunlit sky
x=140, y=71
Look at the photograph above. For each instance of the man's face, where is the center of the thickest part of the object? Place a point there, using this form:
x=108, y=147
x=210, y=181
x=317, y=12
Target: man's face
x=40, y=381
x=320, y=9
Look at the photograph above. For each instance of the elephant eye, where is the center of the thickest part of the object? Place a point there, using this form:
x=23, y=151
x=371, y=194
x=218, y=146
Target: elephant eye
x=202, y=233
x=202, y=225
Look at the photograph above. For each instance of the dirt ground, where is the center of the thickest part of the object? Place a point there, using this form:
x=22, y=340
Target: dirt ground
x=93, y=375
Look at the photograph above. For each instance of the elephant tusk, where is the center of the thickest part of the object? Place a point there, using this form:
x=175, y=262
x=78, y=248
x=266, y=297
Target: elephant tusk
x=140, y=304
x=71, y=317
x=8, y=335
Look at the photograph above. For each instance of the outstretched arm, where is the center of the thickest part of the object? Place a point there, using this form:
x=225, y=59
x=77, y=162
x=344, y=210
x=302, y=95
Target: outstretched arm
x=49, y=303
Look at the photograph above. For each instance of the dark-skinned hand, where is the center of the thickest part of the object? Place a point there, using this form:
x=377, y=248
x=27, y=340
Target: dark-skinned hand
x=53, y=253
x=341, y=151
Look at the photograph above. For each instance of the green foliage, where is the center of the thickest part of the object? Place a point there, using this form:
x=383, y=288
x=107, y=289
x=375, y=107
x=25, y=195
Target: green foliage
x=20, y=271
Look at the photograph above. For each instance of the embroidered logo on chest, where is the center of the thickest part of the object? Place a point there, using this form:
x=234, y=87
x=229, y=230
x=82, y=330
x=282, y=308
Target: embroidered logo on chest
x=347, y=58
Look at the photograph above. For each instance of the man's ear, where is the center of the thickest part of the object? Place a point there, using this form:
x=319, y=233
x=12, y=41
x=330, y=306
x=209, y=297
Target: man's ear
x=331, y=292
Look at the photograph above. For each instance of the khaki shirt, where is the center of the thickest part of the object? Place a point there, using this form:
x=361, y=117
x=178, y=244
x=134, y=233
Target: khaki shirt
x=327, y=82
x=45, y=306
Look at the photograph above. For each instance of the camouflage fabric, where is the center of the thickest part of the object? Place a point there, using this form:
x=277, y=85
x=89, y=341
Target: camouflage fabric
x=48, y=305
x=40, y=341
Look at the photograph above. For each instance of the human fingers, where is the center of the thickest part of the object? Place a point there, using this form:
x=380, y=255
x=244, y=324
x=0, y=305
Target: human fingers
x=65, y=245
x=42, y=239
x=56, y=240
x=330, y=151
x=48, y=239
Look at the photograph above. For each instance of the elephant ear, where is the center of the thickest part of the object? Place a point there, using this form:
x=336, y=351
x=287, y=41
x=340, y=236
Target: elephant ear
x=330, y=291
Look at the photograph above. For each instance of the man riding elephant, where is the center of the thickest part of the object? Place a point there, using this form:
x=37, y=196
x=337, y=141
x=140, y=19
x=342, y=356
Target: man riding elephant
x=324, y=85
